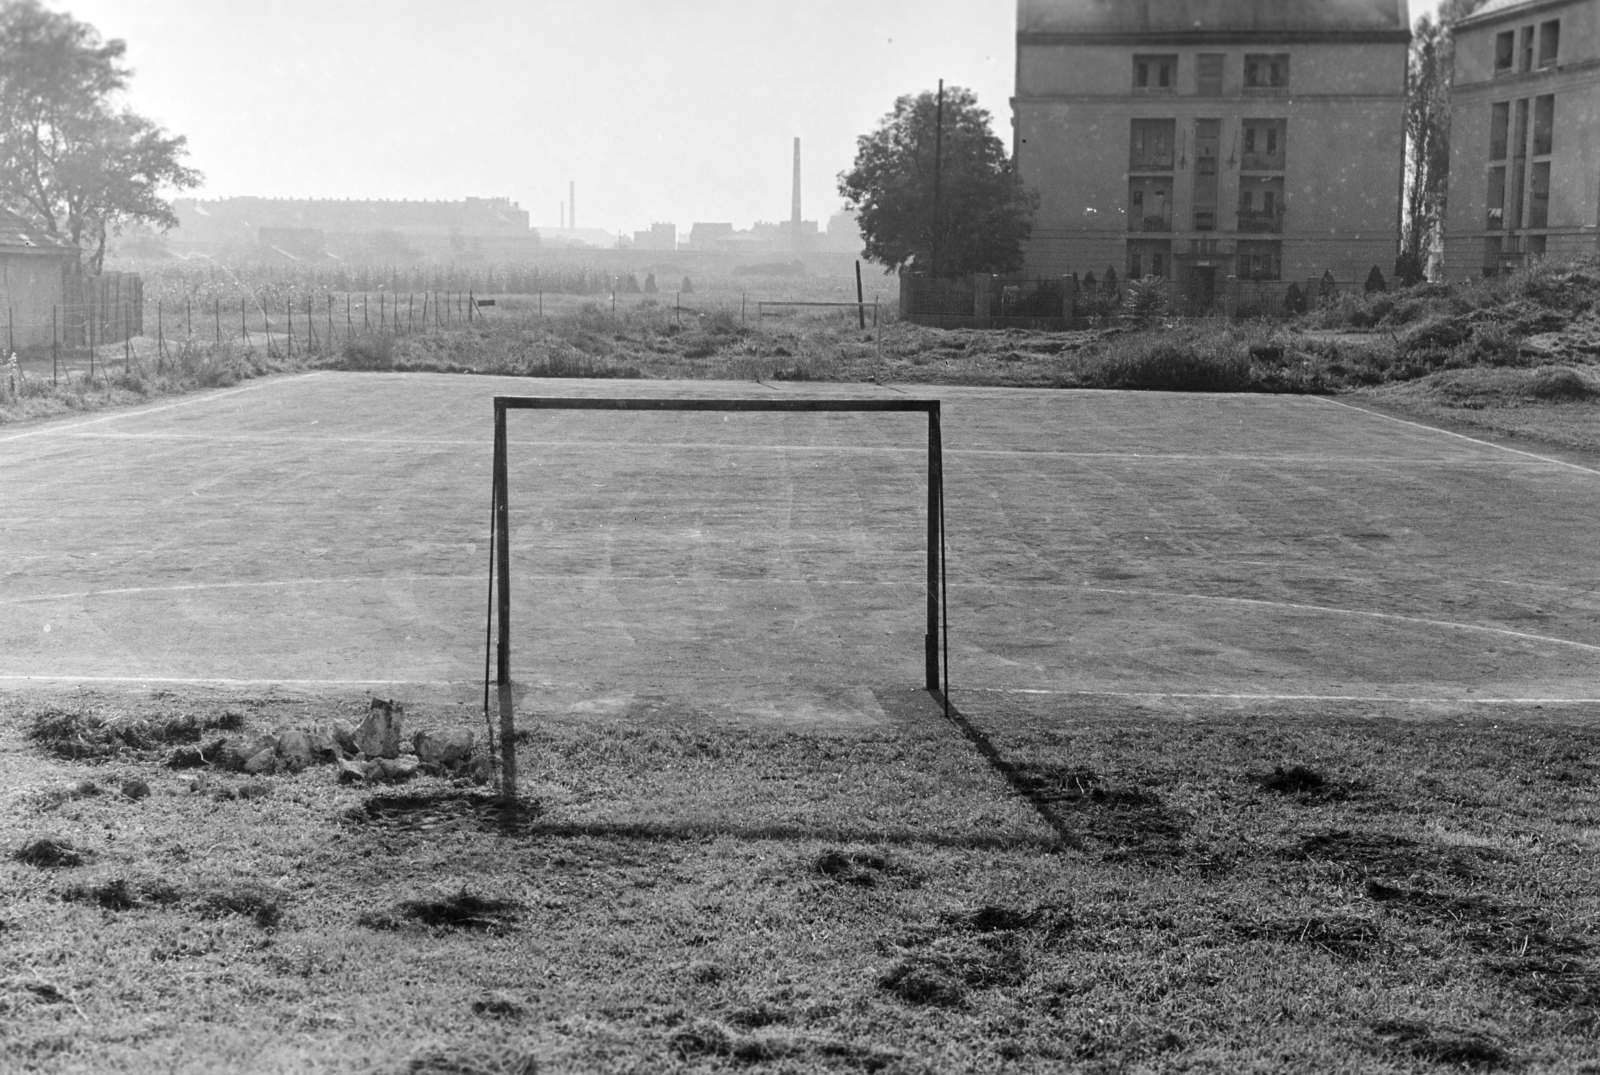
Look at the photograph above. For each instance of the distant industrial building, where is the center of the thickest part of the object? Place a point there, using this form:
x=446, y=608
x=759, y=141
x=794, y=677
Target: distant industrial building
x=659, y=237
x=474, y=227
x=1199, y=140
x=1524, y=135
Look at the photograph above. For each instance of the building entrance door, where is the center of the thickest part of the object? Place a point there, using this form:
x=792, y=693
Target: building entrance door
x=1202, y=290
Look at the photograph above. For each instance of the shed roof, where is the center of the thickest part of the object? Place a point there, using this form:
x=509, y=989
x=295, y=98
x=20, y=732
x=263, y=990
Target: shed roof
x=1212, y=16
x=16, y=233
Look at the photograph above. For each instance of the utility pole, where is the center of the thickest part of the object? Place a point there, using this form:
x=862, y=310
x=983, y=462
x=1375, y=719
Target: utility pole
x=938, y=177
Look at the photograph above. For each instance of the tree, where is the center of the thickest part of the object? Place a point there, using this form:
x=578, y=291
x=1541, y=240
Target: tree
x=943, y=198
x=1427, y=174
x=69, y=158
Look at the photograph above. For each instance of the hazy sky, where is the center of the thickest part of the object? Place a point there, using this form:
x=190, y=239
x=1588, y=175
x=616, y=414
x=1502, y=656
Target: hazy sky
x=669, y=110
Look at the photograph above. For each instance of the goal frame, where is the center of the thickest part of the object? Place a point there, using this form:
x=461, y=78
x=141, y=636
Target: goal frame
x=499, y=613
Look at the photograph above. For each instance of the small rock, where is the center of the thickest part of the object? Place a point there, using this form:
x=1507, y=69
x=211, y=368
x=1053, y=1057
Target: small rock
x=135, y=789
x=223, y=793
x=235, y=752
x=350, y=771
x=84, y=789
x=254, y=791
x=447, y=749
x=264, y=762
x=479, y=770
x=322, y=742
x=197, y=783
x=294, y=747
x=344, y=736
x=379, y=734
x=392, y=770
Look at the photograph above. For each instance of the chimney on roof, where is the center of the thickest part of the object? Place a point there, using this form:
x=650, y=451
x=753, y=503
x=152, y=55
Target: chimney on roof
x=794, y=210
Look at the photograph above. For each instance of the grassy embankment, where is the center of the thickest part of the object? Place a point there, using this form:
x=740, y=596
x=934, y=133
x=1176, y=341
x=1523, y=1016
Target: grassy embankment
x=1496, y=353
x=1283, y=890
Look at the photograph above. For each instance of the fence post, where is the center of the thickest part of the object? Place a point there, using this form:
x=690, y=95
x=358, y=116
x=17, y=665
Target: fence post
x=861, y=310
x=366, y=318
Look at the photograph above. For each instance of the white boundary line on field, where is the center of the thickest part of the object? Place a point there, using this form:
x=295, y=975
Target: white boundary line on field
x=1204, y=696
x=157, y=408
x=1320, y=459
x=1393, y=616
x=1463, y=436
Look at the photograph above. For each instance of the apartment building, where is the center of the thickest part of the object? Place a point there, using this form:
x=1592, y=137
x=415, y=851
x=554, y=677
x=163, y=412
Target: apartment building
x=1524, y=135
x=1198, y=140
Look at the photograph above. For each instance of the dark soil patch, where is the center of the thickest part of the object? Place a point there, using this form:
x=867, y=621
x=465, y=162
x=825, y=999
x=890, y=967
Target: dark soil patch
x=1440, y=1046
x=463, y=910
x=258, y=902
x=49, y=854
x=444, y=811
x=498, y=1007
x=93, y=737
x=992, y=918
x=1349, y=938
x=119, y=894
x=863, y=869
x=1301, y=781
x=943, y=978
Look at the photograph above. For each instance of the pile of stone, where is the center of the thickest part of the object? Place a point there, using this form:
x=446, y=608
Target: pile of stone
x=372, y=753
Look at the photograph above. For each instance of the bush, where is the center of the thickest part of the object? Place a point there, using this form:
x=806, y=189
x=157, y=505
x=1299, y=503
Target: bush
x=369, y=353
x=1375, y=281
x=1146, y=301
x=1172, y=365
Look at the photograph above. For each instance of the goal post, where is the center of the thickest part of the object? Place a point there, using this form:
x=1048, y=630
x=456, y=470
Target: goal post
x=498, y=626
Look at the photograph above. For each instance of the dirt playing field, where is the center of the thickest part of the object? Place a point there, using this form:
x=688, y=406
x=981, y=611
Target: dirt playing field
x=328, y=532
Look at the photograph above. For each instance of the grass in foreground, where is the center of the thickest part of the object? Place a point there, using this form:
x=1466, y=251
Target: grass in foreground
x=1284, y=891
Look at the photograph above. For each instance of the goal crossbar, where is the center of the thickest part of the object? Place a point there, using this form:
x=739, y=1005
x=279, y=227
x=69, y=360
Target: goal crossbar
x=499, y=613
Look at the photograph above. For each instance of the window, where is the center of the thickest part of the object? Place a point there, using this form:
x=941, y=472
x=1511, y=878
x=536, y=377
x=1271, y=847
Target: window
x=1526, y=51
x=1208, y=75
x=1264, y=144
x=1497, y=200
x=1505, y=48
x=1150, y=144
x=1519, y=146
x=1549, y=42
x=1135, y=266
x=1499, y=124
x=1544, y=119
x=1155, y=74
x=1207, y=148
x=1539, y=196
x=1266, y=73
x=1259, y=260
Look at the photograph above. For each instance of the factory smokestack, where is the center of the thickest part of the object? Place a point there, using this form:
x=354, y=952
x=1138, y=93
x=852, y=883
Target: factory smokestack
x=794, y=212
x=572, y=204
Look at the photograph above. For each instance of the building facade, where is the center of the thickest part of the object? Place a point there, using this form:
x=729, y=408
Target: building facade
x=1524, y=135
x=1198, y=140
x=39, y=278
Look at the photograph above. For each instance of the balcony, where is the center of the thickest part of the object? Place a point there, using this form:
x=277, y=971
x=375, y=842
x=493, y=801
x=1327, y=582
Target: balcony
x=1262, y=162
x=1149, y=223
x=1261, y=223
x=1150, y=162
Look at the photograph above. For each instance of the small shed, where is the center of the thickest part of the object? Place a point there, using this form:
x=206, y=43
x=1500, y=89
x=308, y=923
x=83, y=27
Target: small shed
x=38, y=279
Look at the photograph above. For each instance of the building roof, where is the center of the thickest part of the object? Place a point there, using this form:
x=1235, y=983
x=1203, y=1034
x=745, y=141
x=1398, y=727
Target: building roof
x=17, y=233
x=1501, y=7
x=1099, y=17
